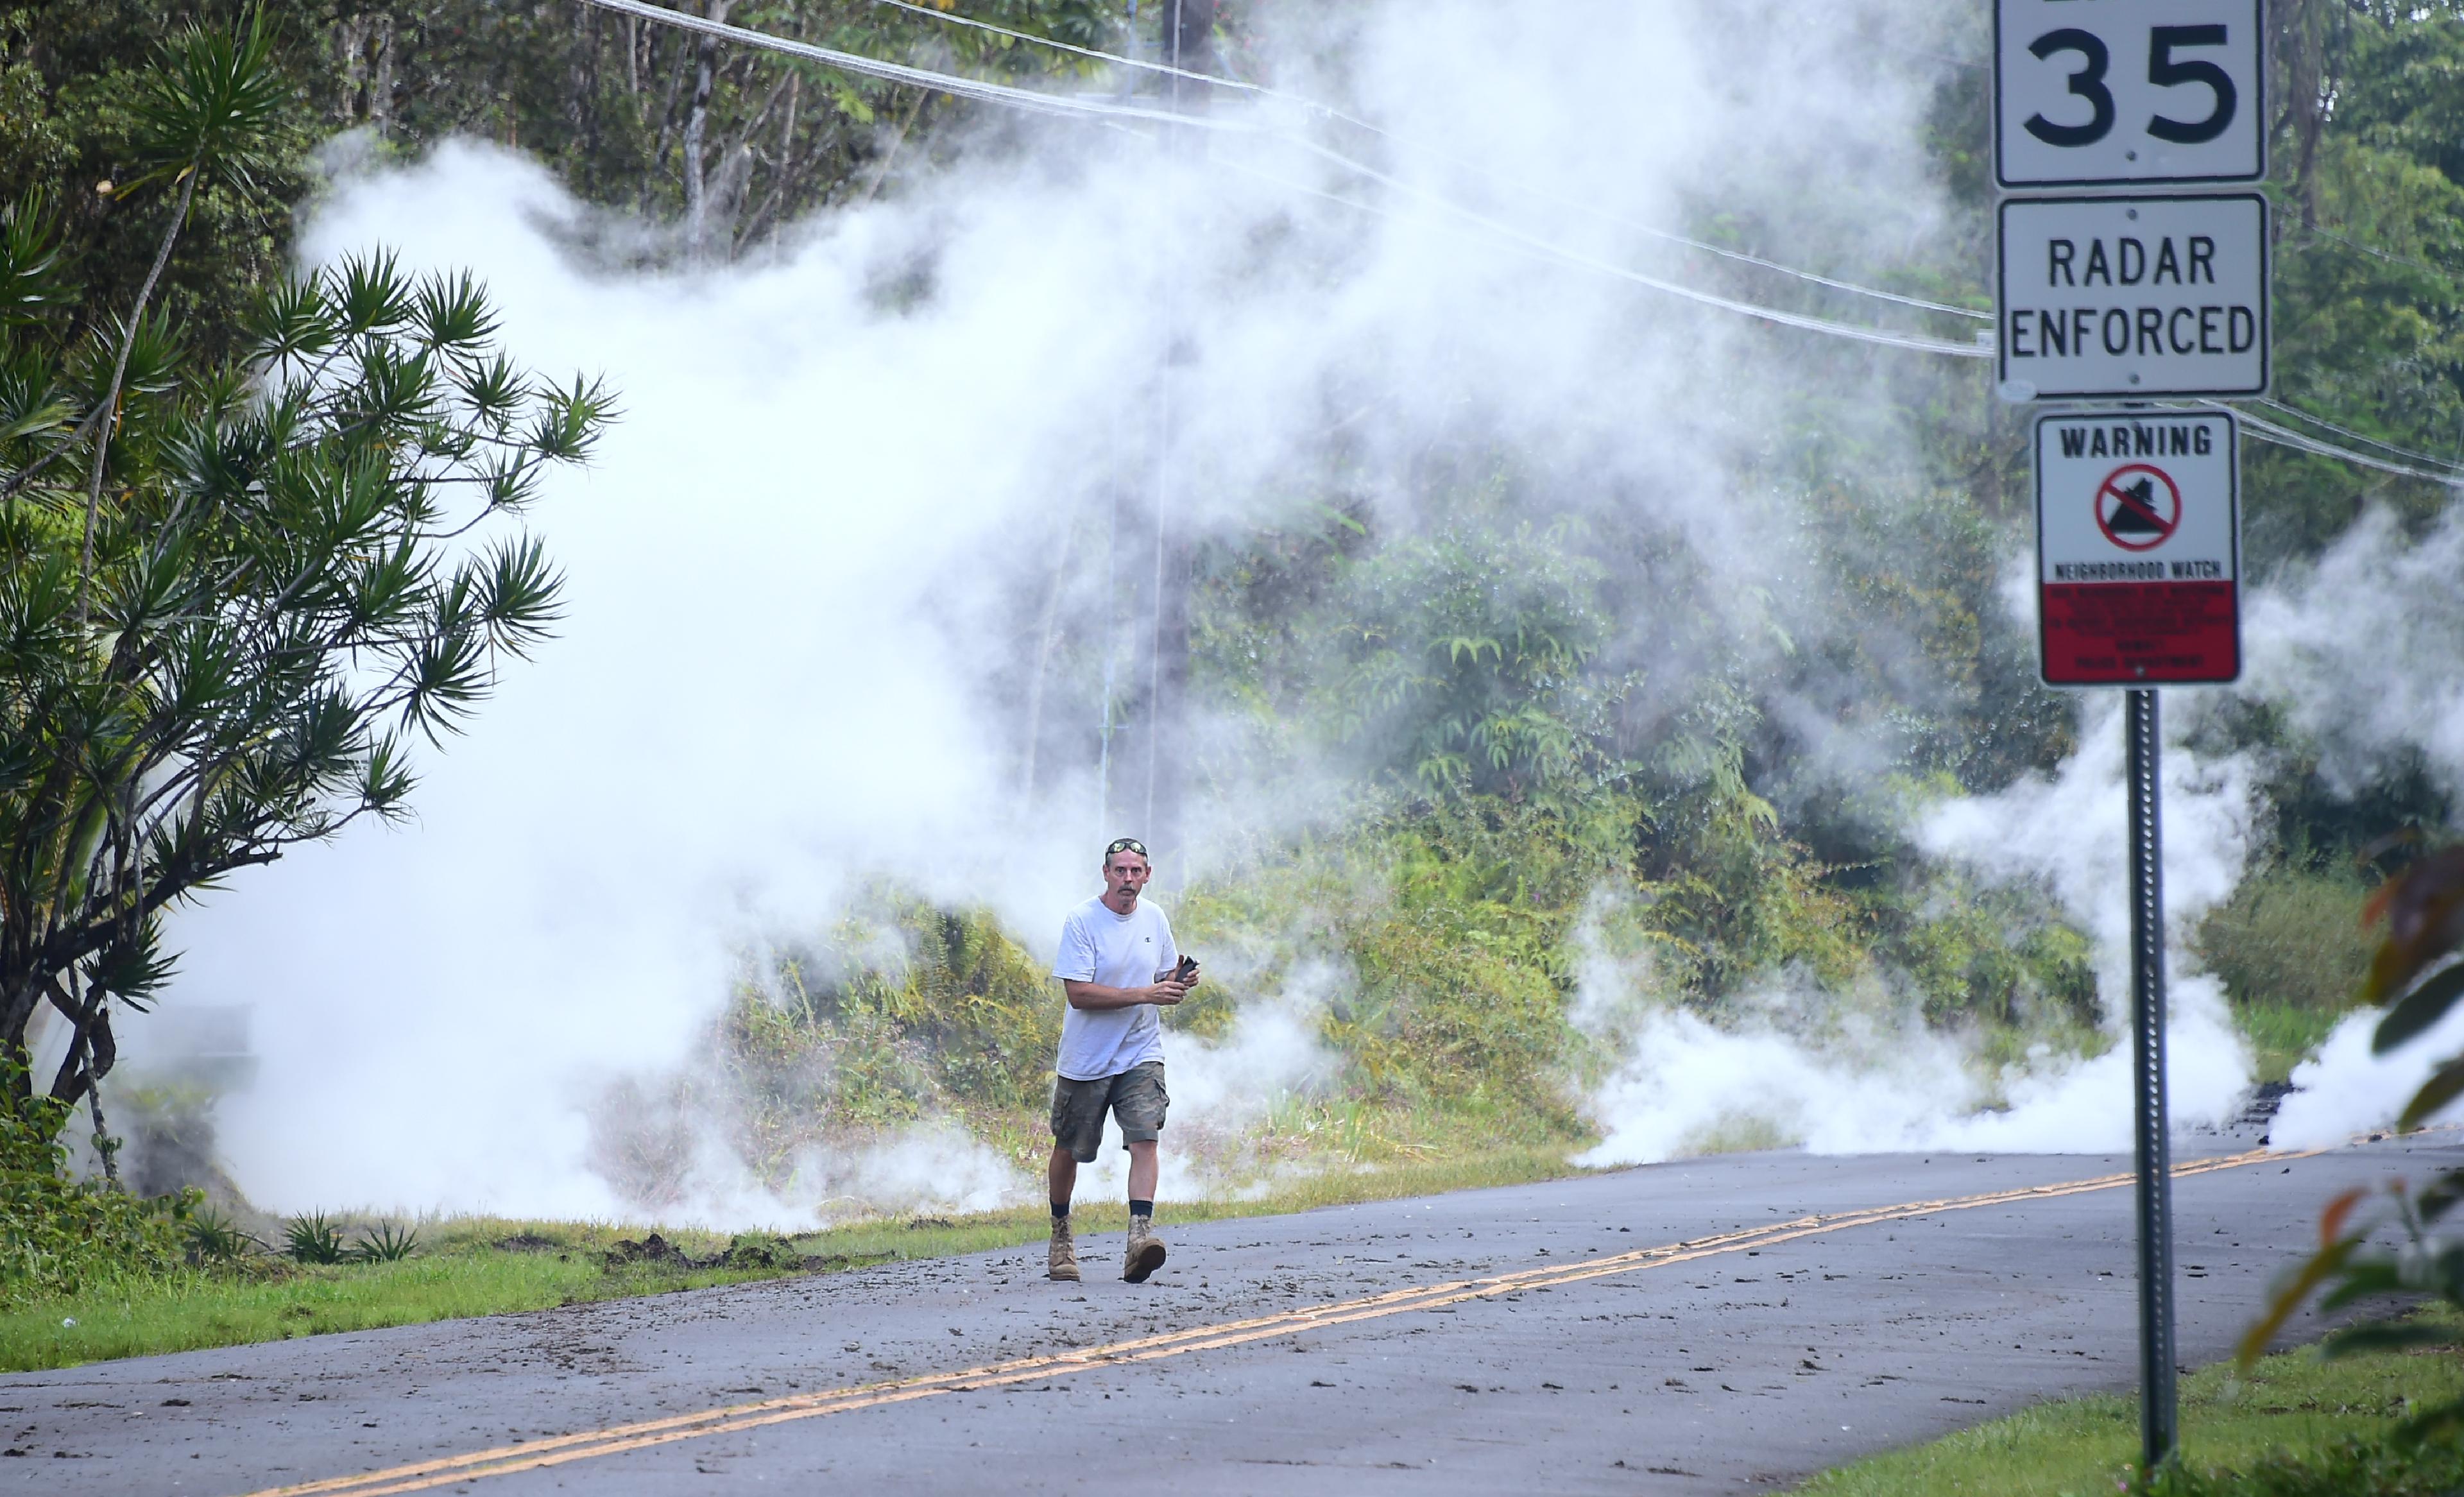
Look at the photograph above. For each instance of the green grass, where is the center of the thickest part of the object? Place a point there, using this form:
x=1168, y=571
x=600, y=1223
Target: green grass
x=2283, y=1035
x=463, y=1271
x=2293, y=1407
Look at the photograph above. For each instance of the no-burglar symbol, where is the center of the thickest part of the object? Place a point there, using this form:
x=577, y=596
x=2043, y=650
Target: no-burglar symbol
x=2138, y=506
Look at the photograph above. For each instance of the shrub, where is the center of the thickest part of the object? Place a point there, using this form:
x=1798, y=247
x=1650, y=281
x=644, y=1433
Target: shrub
x=310, y=1238
x=57, y=1235
x=211, y=1238
x=2290, y=935
x=385, y=1243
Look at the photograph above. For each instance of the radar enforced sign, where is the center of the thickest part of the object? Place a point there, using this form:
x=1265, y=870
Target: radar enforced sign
x=2139, y=548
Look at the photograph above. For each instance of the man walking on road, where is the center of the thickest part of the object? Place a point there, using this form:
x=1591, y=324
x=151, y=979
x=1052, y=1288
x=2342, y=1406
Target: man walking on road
x=1117, y=965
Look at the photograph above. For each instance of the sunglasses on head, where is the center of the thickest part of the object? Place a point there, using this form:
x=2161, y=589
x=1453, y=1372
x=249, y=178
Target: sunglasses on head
x=1126, y=845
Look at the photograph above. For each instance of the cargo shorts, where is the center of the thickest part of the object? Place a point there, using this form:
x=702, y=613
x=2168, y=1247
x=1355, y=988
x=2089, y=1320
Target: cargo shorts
x=1137, y=1097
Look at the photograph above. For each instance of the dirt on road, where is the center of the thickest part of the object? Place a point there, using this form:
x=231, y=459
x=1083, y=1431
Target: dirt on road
x=1710, y=1325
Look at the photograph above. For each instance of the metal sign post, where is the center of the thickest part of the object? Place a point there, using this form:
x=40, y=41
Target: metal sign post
x=2157, y=1425
x=2126, y=297
x=2138, y=582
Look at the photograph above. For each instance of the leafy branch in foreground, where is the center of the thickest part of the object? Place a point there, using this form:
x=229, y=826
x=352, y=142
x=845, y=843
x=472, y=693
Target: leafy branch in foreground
x=2418, y=972
x=232, y=595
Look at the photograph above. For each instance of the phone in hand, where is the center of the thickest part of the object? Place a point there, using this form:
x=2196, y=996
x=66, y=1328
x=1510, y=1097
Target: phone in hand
x=1187, y=972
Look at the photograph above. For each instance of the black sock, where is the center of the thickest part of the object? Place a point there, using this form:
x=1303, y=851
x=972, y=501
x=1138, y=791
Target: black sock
x=1060, y=1211
x=1142, y=1208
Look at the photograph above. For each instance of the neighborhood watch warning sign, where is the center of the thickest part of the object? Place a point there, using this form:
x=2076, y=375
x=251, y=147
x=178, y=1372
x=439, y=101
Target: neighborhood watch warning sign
x=2139, y=548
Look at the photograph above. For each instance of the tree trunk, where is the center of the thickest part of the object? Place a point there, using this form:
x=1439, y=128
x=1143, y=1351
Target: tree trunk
x=581, y=81
x=350, y=51
x=696, y=121
x=381, y=78
x=667, y=107
x=110, y=407
x=1189, y=45
x=1048, y=634
x=890, y=153
x=2303, y=42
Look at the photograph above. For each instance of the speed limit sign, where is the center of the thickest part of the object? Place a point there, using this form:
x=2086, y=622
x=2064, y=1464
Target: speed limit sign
x=2107, y=94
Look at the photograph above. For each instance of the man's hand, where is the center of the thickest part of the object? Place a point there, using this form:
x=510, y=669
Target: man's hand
x=1167, y=992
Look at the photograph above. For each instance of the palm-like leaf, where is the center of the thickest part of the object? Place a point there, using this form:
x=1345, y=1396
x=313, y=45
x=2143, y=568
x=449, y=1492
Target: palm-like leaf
x=31, y=281
x=218, y=639
x=209, y=105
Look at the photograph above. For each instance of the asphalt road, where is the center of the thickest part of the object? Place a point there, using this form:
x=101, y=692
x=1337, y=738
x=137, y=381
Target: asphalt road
x=1682, y=1329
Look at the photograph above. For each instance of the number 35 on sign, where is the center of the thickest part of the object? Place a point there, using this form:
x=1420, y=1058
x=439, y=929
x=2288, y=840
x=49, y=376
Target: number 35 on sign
x=2110, y=92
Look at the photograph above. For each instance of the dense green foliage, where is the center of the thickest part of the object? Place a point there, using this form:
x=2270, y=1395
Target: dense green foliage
x=636, y=116
x=1497, y=664
x=233, y=588
x=2417, y=972
x=58, y=1237
x=2290, y=935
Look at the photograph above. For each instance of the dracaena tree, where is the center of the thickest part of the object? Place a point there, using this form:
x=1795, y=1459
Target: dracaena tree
x=234, y=595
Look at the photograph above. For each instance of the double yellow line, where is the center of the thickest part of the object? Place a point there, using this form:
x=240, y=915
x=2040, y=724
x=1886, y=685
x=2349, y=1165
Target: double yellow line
x=535, y=1454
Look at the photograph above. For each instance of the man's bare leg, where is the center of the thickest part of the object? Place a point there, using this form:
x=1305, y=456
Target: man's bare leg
x=1060, y=1178
x=1146, y=1250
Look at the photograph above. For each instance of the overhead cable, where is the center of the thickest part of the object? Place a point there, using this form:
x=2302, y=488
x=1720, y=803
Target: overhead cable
x=1885, y=336
x=1094, y=108
x=2285, y=436
x=2431, y=459
x=2372, y=251
x=1027, y=99
x=1329, y=111
x=954, y=18
x=1099, y=108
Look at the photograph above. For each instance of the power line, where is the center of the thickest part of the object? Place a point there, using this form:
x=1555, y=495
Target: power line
x=1885, y=336
x=1031, y=99
x=1084, y=107
x=1329, y=111
x=951, y=17
x=2359, y=248
x=2285, y=436
x=2346, y=431
x=1067, y=105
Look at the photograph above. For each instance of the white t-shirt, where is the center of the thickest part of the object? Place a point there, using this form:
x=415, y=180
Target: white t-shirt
x=1115, y=951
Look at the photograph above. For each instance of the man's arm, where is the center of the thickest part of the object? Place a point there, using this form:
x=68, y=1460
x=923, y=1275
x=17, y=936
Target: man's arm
x=1095, y=997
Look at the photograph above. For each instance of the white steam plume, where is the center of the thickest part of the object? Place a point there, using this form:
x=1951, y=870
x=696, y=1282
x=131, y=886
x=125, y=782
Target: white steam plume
x=786, y=641
x=2363, y=645
x=2364, y=648
x=1856, y=1073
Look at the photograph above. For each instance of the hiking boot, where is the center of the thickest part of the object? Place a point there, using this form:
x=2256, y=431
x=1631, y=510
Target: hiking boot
x=1063, y=1257
x=1146, y=1250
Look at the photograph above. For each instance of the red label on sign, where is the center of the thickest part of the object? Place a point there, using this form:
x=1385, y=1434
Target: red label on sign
x=2099, y=634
